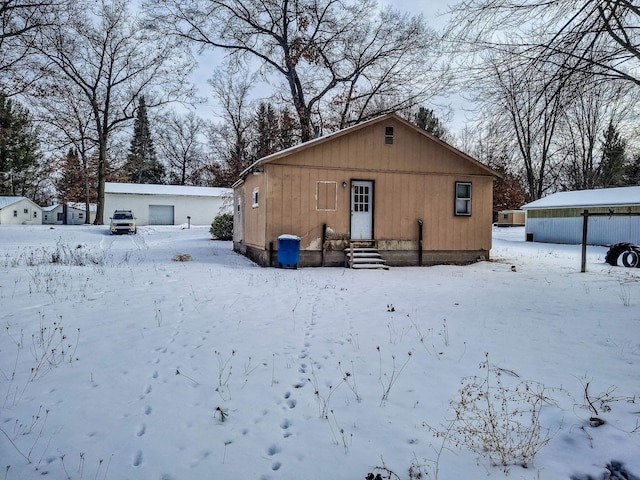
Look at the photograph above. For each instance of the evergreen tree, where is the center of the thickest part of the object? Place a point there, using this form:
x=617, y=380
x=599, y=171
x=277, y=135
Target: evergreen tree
x=266, y=131
x=426, y=119
x=142, y=166
x=612, y=165
x=632, y=171
x=287, y=130
x=19, y=169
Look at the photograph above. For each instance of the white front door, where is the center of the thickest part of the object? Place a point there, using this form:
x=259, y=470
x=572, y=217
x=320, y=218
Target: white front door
x=361, y=210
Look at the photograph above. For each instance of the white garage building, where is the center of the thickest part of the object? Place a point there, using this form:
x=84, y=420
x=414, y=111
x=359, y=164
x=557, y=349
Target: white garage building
x=167, y=204
x=558, y=218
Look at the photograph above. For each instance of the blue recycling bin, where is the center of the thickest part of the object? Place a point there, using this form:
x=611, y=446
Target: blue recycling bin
x=288, y=251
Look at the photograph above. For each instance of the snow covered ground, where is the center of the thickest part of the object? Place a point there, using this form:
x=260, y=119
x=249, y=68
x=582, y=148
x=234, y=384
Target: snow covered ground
x=136, y=366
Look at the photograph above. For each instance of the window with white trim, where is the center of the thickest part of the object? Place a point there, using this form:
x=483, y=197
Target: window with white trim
x=254, y=197
x=463, y=198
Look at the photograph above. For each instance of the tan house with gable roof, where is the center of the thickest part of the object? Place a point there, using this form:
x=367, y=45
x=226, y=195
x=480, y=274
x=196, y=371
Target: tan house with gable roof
x=385, y=184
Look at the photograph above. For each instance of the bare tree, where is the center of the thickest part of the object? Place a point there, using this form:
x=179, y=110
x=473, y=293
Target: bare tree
x=230, y=139
x=344, y=53
x=66, y=123
x=595, y=37
x=596, y=106
x=111, y=61
x=529, y=108
x=20, y=21
x=180, y=138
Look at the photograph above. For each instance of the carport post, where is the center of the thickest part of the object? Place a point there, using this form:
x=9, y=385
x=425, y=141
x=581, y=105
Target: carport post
x=585, y=223
x=188, y=221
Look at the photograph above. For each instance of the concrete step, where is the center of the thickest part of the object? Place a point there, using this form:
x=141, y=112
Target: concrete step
x=369, y=266
x=365, y=256
x=377, y=259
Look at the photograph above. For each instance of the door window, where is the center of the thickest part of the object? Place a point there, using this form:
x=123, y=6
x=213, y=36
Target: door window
x=361, y=198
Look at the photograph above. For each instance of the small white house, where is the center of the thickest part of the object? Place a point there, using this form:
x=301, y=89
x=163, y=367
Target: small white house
x=75, y=214
x=19, y=211
x=167, y=204
x=558, y=218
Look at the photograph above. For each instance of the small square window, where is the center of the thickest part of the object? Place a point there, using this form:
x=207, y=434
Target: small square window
x=254, y=197
x=80, y=215
x=26, y=210
x=388, y=135
x=463, y=198
x=15, y=213
x=35, y=214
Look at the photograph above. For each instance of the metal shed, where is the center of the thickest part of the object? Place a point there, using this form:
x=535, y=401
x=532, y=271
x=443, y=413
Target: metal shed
x=558, y=218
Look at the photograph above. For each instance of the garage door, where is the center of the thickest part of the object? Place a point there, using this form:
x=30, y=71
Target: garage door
x=160, y=214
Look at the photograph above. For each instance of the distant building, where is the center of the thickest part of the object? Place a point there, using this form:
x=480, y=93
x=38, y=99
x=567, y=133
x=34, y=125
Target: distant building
x=510, y=218
x=75, y=214
x=19, y=211
x=558, y=217
x=166, y=204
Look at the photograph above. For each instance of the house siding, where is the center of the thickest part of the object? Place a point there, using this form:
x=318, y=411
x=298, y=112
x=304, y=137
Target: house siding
x=413, y=178
x=25, y=210
x=75, y=216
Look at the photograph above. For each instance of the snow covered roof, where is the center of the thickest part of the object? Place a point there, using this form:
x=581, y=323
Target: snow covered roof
x=603, y=197
x=148, y=189
x=81, y=206
x=6, y=201
x=77, y=206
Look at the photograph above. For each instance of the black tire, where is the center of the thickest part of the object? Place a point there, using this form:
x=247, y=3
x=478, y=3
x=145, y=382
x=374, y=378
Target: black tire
x=614, y=253
x=630, y=258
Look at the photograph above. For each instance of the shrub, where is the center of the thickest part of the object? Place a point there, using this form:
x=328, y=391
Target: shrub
x=498, y=418
x=222, y=227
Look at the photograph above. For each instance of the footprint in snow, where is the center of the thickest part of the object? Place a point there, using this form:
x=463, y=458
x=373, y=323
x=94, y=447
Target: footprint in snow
x=141, y=430
x=137, y=459
x=285, y=426
x=272, y=450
